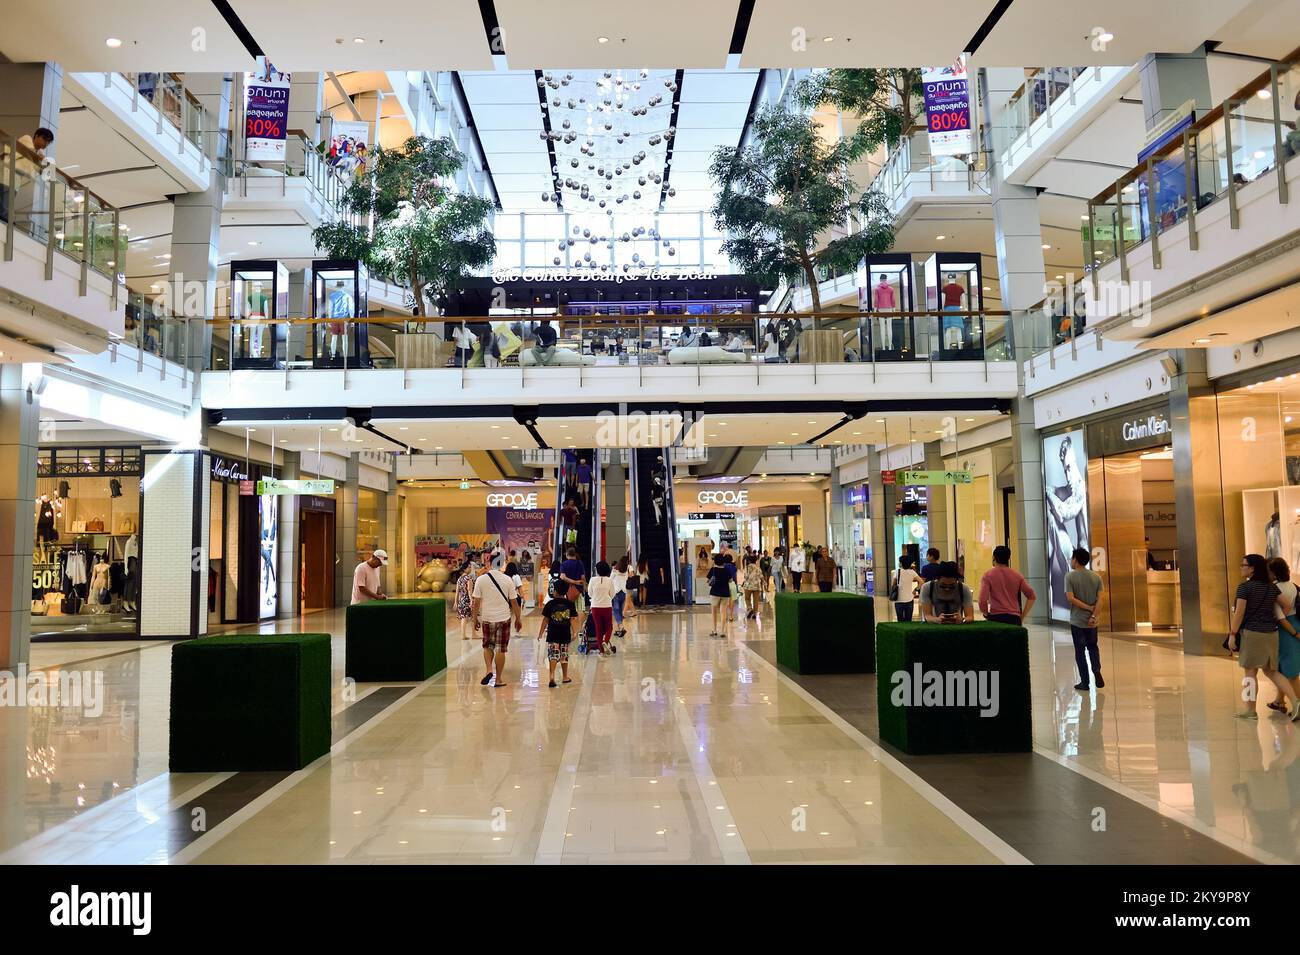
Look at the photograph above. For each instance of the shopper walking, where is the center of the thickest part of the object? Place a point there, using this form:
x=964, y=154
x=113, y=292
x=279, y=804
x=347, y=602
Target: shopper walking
x=601, y=593
x=464, y=595
x=947, y=599
x=1254, y=634
x=584, y=483
x=902, y=590
x=494, y=606
x=528, y=571
x=765, y=566
x=569, y=521
x=1001, y=588
x=367, y=581
x=619, y=579
x=778, y=571
x=824, y=568
x=752, y=586
x=930, y=569
x=798, y=564
x=573, y=573
x=1288, y=625
x=560, y=628
x=733, y=572
x=719, y=595
x=1083, y=591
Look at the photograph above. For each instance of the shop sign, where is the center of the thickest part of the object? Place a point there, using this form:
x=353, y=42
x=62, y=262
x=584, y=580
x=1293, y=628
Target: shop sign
x=247, y=488
x=730, y=498
x=1129, y=433
x=887, y=477
x=229, y=471
x=653, y=273
x=527, y=502
x=857, y=495
x=935, y=477
x=292, y=488
x=711, y=516
x=266, y=113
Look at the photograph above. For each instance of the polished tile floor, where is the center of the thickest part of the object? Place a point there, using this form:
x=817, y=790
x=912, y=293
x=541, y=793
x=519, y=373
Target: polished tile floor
x=679, y=748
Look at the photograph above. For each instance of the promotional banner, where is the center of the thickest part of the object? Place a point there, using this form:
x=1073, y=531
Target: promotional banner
x=349, y=147
x=947, y=109
x=268, y=520
x=520, y=530
x=266, y=113
x=1065, y=483
x=451, y=546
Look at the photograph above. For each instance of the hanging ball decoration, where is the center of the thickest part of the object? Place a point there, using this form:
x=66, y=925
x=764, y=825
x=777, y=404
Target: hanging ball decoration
x=637, y=194
x=546, y=197
x=672, y=251
x=556, y=260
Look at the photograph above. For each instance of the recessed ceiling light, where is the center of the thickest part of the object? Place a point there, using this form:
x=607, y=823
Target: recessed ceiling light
x=254, y=242
x=940, y=238
x=358, y=39
x=1201, y=341
x=1084, y=218
x=403, y=428
x=1046, y=245
x=968, y=419
x=987, y=289
x=112, y=43
x=827, y=39
x=1106, y=37
x=1265, y=94
x=602, y=39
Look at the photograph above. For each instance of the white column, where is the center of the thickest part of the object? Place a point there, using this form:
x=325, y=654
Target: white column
x=19, y=432
x=174, y=543
x=345, y=533
x=287, y=560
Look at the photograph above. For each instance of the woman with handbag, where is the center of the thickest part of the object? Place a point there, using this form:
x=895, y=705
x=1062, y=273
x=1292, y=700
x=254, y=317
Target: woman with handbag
x=902, y=589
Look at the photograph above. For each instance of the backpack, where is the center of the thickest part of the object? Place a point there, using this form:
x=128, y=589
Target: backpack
x=893, y=587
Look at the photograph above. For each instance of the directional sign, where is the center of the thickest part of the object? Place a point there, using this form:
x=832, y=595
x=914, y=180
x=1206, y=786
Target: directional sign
x=935, y=477
x=291, y=488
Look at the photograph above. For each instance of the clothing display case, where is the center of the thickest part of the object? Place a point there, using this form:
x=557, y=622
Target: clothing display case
x=954, y=283
x=259, y=290
x=339, y=293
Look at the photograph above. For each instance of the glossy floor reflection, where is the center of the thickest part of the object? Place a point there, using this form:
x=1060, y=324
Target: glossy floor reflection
x=680, y=748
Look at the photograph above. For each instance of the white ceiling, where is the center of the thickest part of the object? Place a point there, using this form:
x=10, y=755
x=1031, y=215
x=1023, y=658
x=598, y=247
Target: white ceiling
x=792, y=33
x=667, y=34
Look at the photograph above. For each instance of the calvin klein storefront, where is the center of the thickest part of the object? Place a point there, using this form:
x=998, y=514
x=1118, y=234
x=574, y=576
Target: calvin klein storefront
x=1109, y=488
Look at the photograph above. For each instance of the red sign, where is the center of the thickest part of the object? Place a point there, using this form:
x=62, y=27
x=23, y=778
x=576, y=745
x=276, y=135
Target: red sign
x=247, y=488
x=887, y=477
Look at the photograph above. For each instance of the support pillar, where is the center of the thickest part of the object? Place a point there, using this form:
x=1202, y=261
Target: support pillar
x=306, y=100
x=937, y=520
x=345, y=532
x=881, y=500
x=174, y=543
x=287, y=562
x=1171, y=79
x=1022, y=278
x=20, y=412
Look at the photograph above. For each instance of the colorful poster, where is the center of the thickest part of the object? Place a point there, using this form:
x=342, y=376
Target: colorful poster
x=520, y=530
x=451, y=546
x=947, y=109
x=1065, y=481
x=268, y=546
x=266, y=113
x=349, y=147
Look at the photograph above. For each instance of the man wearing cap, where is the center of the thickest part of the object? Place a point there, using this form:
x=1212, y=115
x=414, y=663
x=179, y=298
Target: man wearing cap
x=367, y=583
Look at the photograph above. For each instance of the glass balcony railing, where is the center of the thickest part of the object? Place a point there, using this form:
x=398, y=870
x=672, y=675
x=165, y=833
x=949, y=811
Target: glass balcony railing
x=174, y=103
x=303, y=160
x=1033, y=100
x=1249, y=136
x=49, y=206
x=548, y=340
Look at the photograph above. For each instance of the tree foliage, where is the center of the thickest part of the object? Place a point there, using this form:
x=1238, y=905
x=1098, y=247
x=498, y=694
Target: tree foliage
x=424, y=233
x=781, y=195
x=886, y=102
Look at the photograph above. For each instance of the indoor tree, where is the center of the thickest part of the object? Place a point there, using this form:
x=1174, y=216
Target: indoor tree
x=886, y=103
x=781, y=195
x=415, y=229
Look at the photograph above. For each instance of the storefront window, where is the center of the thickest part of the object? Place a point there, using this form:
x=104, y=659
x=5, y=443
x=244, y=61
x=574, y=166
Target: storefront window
x=86, y=554
x=368, y=524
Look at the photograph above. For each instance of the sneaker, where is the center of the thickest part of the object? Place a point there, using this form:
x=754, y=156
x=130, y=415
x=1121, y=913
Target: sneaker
x=1082, y=687
x=1096, y=677
x=552, y=684
x=486, y=680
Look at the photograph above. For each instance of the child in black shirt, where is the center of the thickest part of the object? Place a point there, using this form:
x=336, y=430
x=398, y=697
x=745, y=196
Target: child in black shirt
x=560, y=627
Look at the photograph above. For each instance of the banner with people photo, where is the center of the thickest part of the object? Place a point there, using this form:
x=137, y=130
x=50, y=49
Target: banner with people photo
x=349, y=149
x=451, y=546
x=947, y=109
x=1065, y=486
x=520, y=530
x=266, y=113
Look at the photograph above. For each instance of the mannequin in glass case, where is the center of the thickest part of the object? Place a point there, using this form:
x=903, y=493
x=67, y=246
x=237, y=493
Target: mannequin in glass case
x=884, y=299
x=1273, y=536
x=339, y=306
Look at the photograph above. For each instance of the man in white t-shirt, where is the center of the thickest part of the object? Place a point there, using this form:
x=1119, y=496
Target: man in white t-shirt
x=367, y=582
x=494, y=604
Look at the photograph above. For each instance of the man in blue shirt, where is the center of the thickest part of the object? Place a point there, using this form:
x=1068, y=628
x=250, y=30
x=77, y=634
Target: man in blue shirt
x=930, y=571
x=574, y=572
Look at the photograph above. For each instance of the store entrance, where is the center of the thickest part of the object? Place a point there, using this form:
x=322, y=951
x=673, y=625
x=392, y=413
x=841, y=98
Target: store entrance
x=316, y=563
x=1135, y=542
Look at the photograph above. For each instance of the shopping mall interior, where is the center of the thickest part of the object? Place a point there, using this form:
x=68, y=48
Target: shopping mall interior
x=509, y=432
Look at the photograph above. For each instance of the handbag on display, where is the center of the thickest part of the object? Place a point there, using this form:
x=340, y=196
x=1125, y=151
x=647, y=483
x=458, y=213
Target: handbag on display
x=53, y=603
x=126, y=525
x=78, y=527
x=95, y=525
x=38, y=608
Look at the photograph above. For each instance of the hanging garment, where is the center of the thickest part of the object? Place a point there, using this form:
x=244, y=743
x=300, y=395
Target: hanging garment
x=45, y=530
x=1272, y=540
x=74, y=567
x=132, y=549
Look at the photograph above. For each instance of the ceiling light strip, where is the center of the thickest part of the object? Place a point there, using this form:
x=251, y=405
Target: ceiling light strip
x=987, y=26
x=237, y=27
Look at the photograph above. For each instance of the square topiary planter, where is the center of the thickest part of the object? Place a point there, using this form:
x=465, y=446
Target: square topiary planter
x=396, y=640
x=948, y=688
x=825, y=633
x=246, y=702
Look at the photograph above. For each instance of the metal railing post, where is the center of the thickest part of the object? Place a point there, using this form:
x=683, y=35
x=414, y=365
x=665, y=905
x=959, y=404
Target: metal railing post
x=1283, y=196
x=1234, y=215
x=85, y=242
x=1120, y=241
x=119, y=253
x=1151, y=212
x=1192, y=242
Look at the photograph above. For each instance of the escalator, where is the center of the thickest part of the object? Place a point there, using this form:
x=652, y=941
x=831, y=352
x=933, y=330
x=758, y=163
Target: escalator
x=588, y=524
x=654, y=522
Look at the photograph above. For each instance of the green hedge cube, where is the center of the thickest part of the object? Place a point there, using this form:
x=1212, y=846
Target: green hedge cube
x=825, y=633
x=396, y=641
x=935, y=683
x=247, y=702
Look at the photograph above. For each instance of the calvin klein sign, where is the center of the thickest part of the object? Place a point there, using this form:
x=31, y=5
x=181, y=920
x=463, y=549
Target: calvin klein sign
x=1131, y=432
x=1153, y=426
